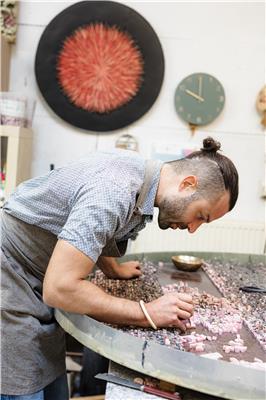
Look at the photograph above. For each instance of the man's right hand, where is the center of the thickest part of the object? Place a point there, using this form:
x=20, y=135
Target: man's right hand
x=170, y=309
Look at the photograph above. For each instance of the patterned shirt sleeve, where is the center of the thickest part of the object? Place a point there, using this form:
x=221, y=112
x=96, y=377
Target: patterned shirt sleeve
x=98, y=212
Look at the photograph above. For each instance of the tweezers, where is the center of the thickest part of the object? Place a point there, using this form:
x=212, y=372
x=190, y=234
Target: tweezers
x=253, y=289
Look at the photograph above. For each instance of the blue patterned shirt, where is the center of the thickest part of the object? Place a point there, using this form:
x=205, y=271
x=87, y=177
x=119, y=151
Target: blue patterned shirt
x=88, y=202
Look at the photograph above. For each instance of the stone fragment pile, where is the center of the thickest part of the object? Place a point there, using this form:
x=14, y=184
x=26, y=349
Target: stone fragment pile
x=215, y=320
x=229, y=277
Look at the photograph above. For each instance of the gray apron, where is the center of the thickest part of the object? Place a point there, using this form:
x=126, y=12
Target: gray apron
x=33, y=344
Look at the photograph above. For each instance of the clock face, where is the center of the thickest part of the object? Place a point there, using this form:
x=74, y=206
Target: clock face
x=199, y=99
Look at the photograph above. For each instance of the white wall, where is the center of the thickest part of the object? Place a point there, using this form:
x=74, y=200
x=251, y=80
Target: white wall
x=224, y=39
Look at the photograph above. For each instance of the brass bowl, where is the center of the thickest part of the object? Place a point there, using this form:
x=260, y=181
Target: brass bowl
x=187, y=263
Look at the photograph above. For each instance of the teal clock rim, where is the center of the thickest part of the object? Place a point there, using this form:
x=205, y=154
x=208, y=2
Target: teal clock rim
x=188, y=76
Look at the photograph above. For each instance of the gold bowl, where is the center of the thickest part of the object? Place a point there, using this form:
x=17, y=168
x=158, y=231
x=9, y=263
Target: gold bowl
x=187, y=263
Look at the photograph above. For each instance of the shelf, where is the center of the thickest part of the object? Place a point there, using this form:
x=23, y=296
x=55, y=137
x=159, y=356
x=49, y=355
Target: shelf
x=16, y=156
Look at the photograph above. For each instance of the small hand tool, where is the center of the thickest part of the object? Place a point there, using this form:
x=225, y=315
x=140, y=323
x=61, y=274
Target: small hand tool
x=186, y=276
x=253, y=289
x=143, y=388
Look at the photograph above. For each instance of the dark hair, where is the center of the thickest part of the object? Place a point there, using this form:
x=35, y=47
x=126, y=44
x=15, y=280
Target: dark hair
x=226, y=166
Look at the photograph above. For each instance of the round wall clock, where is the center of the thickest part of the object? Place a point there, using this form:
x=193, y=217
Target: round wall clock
x=199, y=99
x=99, y=65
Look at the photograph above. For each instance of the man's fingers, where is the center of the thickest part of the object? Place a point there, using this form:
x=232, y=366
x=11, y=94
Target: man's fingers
x=185, y=306
x=135, y=263
x=185, y=297
x=183, y=314
x=135, y=272
x=180, y=325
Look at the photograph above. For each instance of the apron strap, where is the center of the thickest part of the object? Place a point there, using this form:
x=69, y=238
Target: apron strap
x=151, y=166
x=118, y=249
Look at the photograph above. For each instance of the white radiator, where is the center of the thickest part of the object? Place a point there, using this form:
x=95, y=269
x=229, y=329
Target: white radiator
x=220, y=236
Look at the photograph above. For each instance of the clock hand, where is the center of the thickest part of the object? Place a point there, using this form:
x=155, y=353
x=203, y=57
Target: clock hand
x=200, y=85
x=194, y=95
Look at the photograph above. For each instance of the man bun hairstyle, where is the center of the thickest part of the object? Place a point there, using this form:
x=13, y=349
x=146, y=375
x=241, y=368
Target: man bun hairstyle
x=210, y=145
x=227, y=168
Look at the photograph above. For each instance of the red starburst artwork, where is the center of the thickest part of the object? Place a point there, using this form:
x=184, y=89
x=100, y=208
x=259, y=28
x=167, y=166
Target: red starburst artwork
x=100, y=68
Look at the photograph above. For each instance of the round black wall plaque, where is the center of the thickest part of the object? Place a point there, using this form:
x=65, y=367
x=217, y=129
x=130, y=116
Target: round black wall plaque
x=52, y=68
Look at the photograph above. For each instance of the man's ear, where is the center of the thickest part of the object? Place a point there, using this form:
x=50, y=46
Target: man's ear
x=188, y=183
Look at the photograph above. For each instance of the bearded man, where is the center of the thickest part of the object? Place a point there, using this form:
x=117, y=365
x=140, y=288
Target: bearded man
x=58, y=226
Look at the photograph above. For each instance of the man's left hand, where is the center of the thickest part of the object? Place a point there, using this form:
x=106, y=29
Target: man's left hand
x=113, y=270
x=128, y=270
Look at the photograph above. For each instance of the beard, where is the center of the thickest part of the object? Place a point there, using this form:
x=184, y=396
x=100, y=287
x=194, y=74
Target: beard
x=172, y=211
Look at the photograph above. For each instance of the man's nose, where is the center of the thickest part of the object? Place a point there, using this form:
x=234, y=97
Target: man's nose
x=193, y=226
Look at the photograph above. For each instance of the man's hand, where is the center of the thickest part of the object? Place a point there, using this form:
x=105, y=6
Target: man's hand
x=128, y=270
x=170, y=309
x=113, y=270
